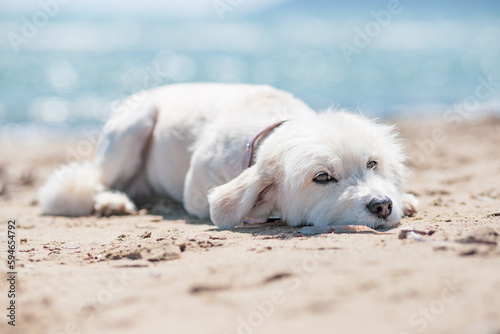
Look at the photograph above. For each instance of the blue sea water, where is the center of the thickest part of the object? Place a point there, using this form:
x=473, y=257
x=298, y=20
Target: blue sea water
x=388, y=59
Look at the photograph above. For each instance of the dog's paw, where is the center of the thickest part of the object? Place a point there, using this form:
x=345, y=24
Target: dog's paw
x=410, y=203
x=113, y=203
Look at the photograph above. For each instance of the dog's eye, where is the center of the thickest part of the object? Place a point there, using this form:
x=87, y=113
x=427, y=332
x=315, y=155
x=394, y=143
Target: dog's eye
x=323, y=177
x=371, y=164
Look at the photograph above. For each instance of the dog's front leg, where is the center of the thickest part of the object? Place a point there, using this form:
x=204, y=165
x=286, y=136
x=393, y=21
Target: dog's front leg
x=196, y=186
x=410, y=203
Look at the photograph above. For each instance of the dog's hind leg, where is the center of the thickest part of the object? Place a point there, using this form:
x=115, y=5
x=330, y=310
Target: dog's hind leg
x=121, y=155
x=124, y=143
x=79, y=189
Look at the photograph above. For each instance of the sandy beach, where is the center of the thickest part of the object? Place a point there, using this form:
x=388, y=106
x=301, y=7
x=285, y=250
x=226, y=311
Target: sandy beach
x=165, y=272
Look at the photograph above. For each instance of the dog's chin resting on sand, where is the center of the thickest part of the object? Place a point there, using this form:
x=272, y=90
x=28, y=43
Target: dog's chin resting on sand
x=189, y=142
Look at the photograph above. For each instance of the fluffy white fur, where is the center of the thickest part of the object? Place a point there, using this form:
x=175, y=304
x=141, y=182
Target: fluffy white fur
x=188, y=142
x=70, y=190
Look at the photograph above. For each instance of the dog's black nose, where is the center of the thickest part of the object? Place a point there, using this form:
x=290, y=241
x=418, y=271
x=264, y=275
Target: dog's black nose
x=380, y=206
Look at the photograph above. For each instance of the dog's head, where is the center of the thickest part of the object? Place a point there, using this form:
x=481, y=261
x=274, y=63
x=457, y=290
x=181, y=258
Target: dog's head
x=333, y=169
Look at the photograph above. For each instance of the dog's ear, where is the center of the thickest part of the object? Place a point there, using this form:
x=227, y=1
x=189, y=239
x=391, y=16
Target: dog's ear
x=247, y=196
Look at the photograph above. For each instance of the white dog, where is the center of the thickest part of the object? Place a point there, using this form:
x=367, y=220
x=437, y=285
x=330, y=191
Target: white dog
x=236, y=153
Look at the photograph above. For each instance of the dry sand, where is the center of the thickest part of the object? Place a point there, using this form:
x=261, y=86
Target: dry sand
x=166, y=273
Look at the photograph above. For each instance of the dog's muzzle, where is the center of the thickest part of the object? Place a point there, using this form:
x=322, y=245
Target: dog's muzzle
x=380, y=206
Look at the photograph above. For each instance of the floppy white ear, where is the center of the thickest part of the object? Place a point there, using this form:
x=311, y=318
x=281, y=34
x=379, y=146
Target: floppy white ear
x=248, y=195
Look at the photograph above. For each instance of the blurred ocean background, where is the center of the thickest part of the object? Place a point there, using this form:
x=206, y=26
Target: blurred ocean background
x=65, y=64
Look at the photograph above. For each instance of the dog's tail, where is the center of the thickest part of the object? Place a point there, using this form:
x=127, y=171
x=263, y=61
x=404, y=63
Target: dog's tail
x=70, y=190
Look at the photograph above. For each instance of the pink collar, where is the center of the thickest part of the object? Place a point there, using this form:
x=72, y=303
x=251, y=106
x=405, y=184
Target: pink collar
x=251, y=145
